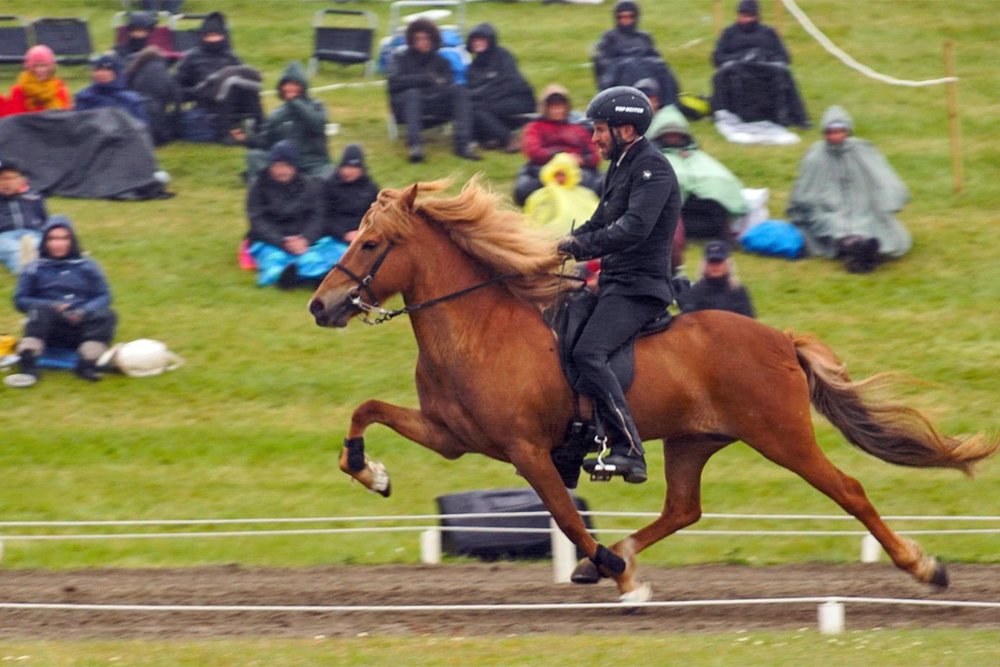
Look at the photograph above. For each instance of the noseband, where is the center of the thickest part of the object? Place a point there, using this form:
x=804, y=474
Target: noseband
x=364, y=284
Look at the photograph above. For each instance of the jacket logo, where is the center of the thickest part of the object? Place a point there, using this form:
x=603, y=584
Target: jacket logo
x=647, y=174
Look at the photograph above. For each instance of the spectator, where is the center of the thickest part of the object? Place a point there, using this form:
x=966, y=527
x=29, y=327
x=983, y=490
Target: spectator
x=753, y=80
x=561, y=201
x=625, y=55
x=422, y=89
x=138, y=27
x=22, y=217
x=68, y=304
x=36, y=88
x=349, y=192
x=500, y=95
x=845, y=196
x=711, y=193
x=300, y=119
x=553, y=133
x=216, y=79
x=718, y=287
x=286, y=236
x=108, y=90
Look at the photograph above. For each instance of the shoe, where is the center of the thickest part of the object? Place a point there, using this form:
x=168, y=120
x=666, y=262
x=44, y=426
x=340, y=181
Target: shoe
x=491, y=145
x=416, y=154
x=468, y=153
x=86, y=369
x=289, y=277
x=513, y=146
x=631, y=468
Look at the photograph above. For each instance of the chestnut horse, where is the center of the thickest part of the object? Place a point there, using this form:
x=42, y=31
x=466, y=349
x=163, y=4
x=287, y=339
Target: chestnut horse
x=474, y=278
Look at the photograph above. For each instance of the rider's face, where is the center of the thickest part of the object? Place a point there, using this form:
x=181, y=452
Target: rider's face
x=602, y=139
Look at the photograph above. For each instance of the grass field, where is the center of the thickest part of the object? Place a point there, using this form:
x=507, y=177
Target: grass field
x=252, y=426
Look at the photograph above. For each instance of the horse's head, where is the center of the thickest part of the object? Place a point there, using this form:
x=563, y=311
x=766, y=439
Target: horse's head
x=373, y=268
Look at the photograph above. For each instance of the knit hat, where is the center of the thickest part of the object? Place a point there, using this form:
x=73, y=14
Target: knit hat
x=284, y=151
x=214, y=23
x=10, y=165
x=107, y=61
x=141, y=20
x=627, y=6
x=39, y=54
x=748, y=8
x=353, y=156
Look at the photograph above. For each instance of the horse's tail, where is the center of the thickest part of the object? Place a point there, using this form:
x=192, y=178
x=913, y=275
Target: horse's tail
x=883, y=428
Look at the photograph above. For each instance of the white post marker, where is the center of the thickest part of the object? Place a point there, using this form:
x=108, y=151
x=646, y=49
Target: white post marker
x=430, y=546
x=1, y=552
x=831, y=618
x=870, y=549
x=563, y=554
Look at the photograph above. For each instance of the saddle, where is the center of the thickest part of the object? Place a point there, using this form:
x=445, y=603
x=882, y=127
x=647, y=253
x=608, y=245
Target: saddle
x=568, y=321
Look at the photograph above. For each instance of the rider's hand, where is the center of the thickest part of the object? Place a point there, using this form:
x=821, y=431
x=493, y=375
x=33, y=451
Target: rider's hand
x=569, y=246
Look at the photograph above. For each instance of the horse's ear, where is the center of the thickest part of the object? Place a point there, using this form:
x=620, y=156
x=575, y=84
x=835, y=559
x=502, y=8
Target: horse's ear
x=410, y=196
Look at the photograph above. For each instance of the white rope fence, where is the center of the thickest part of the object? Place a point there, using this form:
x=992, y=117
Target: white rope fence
x=845, y=58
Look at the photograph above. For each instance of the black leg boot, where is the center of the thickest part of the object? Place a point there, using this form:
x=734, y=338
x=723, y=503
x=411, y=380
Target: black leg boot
x=86, y=369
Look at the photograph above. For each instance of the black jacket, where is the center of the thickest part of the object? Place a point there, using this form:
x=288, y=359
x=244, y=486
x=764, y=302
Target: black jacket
x=633, y=227
x=278, y=210
x=717, y=294
x=410, y=69
x=199, y=64
x=758, y=44
x=347, y=203
x=493, y=74
x=25, y=210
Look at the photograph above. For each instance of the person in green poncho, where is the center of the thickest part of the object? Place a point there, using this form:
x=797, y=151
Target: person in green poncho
x=711, y=193
x=845, y=196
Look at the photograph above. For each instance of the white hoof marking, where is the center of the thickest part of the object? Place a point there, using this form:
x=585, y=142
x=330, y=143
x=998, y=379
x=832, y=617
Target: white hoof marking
x=641, y=593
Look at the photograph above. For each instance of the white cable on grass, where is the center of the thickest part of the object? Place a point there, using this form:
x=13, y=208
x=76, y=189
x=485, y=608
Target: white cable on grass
x=836, y=51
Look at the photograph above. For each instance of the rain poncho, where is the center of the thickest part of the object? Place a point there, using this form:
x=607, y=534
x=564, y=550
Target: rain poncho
x=698, y=173
x=556, y=205
x=848, y=190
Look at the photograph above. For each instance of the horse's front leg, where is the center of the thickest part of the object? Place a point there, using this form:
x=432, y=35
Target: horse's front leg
x=411, y=424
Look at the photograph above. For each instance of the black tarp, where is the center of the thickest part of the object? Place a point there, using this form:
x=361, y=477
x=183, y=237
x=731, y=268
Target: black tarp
x=96, y=154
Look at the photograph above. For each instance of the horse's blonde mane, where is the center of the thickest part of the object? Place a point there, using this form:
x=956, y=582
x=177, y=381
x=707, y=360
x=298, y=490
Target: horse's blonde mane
x=481, y=223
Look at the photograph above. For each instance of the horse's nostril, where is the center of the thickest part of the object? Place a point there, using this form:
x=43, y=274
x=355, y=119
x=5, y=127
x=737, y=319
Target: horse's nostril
x=315, y=306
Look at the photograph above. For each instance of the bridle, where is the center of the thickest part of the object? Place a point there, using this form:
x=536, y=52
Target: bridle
x=364, y=285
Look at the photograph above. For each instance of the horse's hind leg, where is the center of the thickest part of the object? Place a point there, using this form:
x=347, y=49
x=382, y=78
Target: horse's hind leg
x=683, y=462
x=798, y=451
x=411, y=424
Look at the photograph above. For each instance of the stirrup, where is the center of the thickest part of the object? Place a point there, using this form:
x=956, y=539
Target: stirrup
x=601, y=471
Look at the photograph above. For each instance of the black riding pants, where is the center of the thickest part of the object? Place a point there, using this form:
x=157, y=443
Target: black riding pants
x=615, y=320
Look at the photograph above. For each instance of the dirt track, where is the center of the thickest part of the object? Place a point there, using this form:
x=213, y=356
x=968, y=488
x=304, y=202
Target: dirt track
x=456, y=584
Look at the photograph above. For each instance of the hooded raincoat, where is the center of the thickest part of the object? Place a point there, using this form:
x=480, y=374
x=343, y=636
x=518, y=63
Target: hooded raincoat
x=113, y=93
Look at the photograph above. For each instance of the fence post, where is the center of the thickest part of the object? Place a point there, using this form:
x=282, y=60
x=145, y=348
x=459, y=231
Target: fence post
x=563, y=554
x=831, y=618
x=870, y=549
x=430, y=546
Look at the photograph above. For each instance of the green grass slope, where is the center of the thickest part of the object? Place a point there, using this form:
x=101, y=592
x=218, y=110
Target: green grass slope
x=252, y=426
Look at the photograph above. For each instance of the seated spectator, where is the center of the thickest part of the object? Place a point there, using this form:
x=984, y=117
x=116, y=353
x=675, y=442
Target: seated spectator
x=217, y=80
x=712, y=195
x=718, y=288
x=500, y=95
x=36, y=87
x=22, y=217
x=138, y=27
x=68, y=304
x=625, y=55
x=300, y=119
x=287, y=238
x=422, y=91
x=753, y=80
x=844, y=198
x=349, y=192
x=551, y=134
x=108, y=90
x=561, y=200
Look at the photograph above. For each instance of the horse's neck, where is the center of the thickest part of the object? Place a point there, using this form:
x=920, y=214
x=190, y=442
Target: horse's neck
x=471, y=326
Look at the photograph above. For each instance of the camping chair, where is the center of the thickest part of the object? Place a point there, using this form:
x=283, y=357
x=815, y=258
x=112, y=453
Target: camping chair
x=343, y=44
x=13, y=40
x=69, y=39
x=162, y=36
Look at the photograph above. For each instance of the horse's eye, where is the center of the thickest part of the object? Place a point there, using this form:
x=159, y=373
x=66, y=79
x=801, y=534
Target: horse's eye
x=369, y=245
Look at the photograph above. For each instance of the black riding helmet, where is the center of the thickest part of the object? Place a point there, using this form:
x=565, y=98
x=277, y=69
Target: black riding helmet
x=622, y=105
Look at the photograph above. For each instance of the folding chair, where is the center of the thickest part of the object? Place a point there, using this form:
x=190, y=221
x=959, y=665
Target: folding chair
x=161, y=36
x=69, y=39
x=13, y=40
x=346, y=45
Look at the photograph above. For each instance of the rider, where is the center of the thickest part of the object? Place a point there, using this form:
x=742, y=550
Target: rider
x=632, y=230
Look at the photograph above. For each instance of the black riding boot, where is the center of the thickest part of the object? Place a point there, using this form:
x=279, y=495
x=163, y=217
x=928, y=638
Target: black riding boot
x=29, y=363
x=86, y=369
x=627, y=457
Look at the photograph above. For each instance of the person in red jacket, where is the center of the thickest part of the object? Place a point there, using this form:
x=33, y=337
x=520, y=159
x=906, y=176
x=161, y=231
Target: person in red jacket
x=37, y=88
x=555, y=133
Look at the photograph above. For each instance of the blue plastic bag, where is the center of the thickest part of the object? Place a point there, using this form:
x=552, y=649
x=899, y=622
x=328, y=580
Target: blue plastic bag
x=775, y=238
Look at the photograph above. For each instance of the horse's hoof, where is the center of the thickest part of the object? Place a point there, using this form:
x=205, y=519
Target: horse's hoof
x=940, y=576
x=380, y=482
x=586, y=573
x=641, y=593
